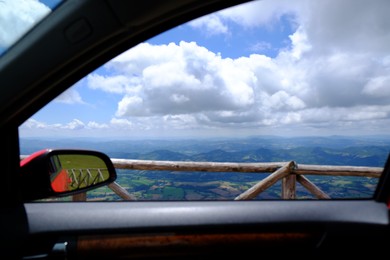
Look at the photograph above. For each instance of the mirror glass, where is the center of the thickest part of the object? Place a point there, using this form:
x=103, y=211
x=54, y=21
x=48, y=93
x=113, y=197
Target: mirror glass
x=69, y=172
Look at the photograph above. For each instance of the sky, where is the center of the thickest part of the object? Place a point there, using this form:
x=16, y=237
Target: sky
x=290, y=68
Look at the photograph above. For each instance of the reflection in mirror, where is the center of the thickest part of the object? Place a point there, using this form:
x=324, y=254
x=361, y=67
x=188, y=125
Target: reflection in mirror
x=70, y=172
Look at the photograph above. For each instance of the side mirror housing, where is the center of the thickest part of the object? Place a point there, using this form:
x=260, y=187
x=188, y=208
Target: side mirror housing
x=55, y=173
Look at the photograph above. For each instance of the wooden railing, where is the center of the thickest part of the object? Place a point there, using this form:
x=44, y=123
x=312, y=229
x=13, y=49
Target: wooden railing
x=84, y=176
x=288, y=172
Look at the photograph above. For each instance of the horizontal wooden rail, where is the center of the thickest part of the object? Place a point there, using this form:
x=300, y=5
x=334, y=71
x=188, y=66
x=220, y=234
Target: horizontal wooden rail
x=358, y=171
x=195, y=166
x=288, y=172
x=300, y=169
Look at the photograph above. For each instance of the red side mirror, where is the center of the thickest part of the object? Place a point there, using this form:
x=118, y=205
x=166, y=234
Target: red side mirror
x=52, y=173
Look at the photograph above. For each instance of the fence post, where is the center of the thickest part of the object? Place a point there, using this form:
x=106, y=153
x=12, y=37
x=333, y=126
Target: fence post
x=120, y=191
x=289, y=187
x=267, y=182
x=312, y=187
x=80, y=197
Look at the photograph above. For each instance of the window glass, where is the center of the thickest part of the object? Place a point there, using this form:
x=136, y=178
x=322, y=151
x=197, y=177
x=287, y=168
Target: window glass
x=295, y=94
x=17, y=17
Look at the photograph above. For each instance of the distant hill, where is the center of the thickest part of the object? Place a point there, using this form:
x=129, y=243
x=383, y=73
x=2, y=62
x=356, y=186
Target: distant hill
x=164, y=155
x=336, y=150
x=166, y=185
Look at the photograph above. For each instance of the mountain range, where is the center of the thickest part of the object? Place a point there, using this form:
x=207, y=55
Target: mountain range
x=333, y=150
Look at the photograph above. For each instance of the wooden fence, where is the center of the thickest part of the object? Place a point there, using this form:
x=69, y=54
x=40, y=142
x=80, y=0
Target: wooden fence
x=288, y=172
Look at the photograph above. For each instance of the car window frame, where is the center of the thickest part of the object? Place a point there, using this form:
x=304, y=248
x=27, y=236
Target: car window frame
x=120, y=6
x=28, y=222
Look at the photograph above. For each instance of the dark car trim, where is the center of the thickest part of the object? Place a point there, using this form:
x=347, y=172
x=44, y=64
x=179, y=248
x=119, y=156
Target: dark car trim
x=120, y=216
x=121, y=230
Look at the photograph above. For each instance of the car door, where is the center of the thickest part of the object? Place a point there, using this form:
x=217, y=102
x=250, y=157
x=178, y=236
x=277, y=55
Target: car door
x=80, y=37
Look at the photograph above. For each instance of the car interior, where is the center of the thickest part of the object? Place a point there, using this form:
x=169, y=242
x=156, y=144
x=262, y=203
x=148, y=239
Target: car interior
x=77, y=38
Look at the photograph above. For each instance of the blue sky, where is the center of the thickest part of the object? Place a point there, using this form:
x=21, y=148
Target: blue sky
x=51, y=3
x=267, y=67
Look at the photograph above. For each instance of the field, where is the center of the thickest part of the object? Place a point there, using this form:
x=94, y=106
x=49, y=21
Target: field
x=157, y=185
x=83, y=170
x=164, y=185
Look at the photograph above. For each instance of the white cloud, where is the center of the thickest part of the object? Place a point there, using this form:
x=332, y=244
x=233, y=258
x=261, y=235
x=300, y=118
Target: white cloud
x=32, y=123
x=132, y=103
x=177, y=98
x=261, y=13
x=190, y=80
x=281, y=100
x=121, y=122
x=115, y=84
x=299, y=86
x=335, y=77
x=95, y=125
x=210, y=24
x=348, y=26
x=136, y=62
x=74, y=125
x=17, y=17
x=343, y=114
x=378, y=87
x=300, y=43
x=71, y=96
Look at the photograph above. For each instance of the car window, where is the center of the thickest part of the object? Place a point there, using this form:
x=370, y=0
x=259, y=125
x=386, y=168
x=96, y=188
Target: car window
x=265, y=100
x=18, y=17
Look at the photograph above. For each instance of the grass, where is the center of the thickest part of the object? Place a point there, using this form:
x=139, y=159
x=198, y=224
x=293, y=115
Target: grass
x=79, y=163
